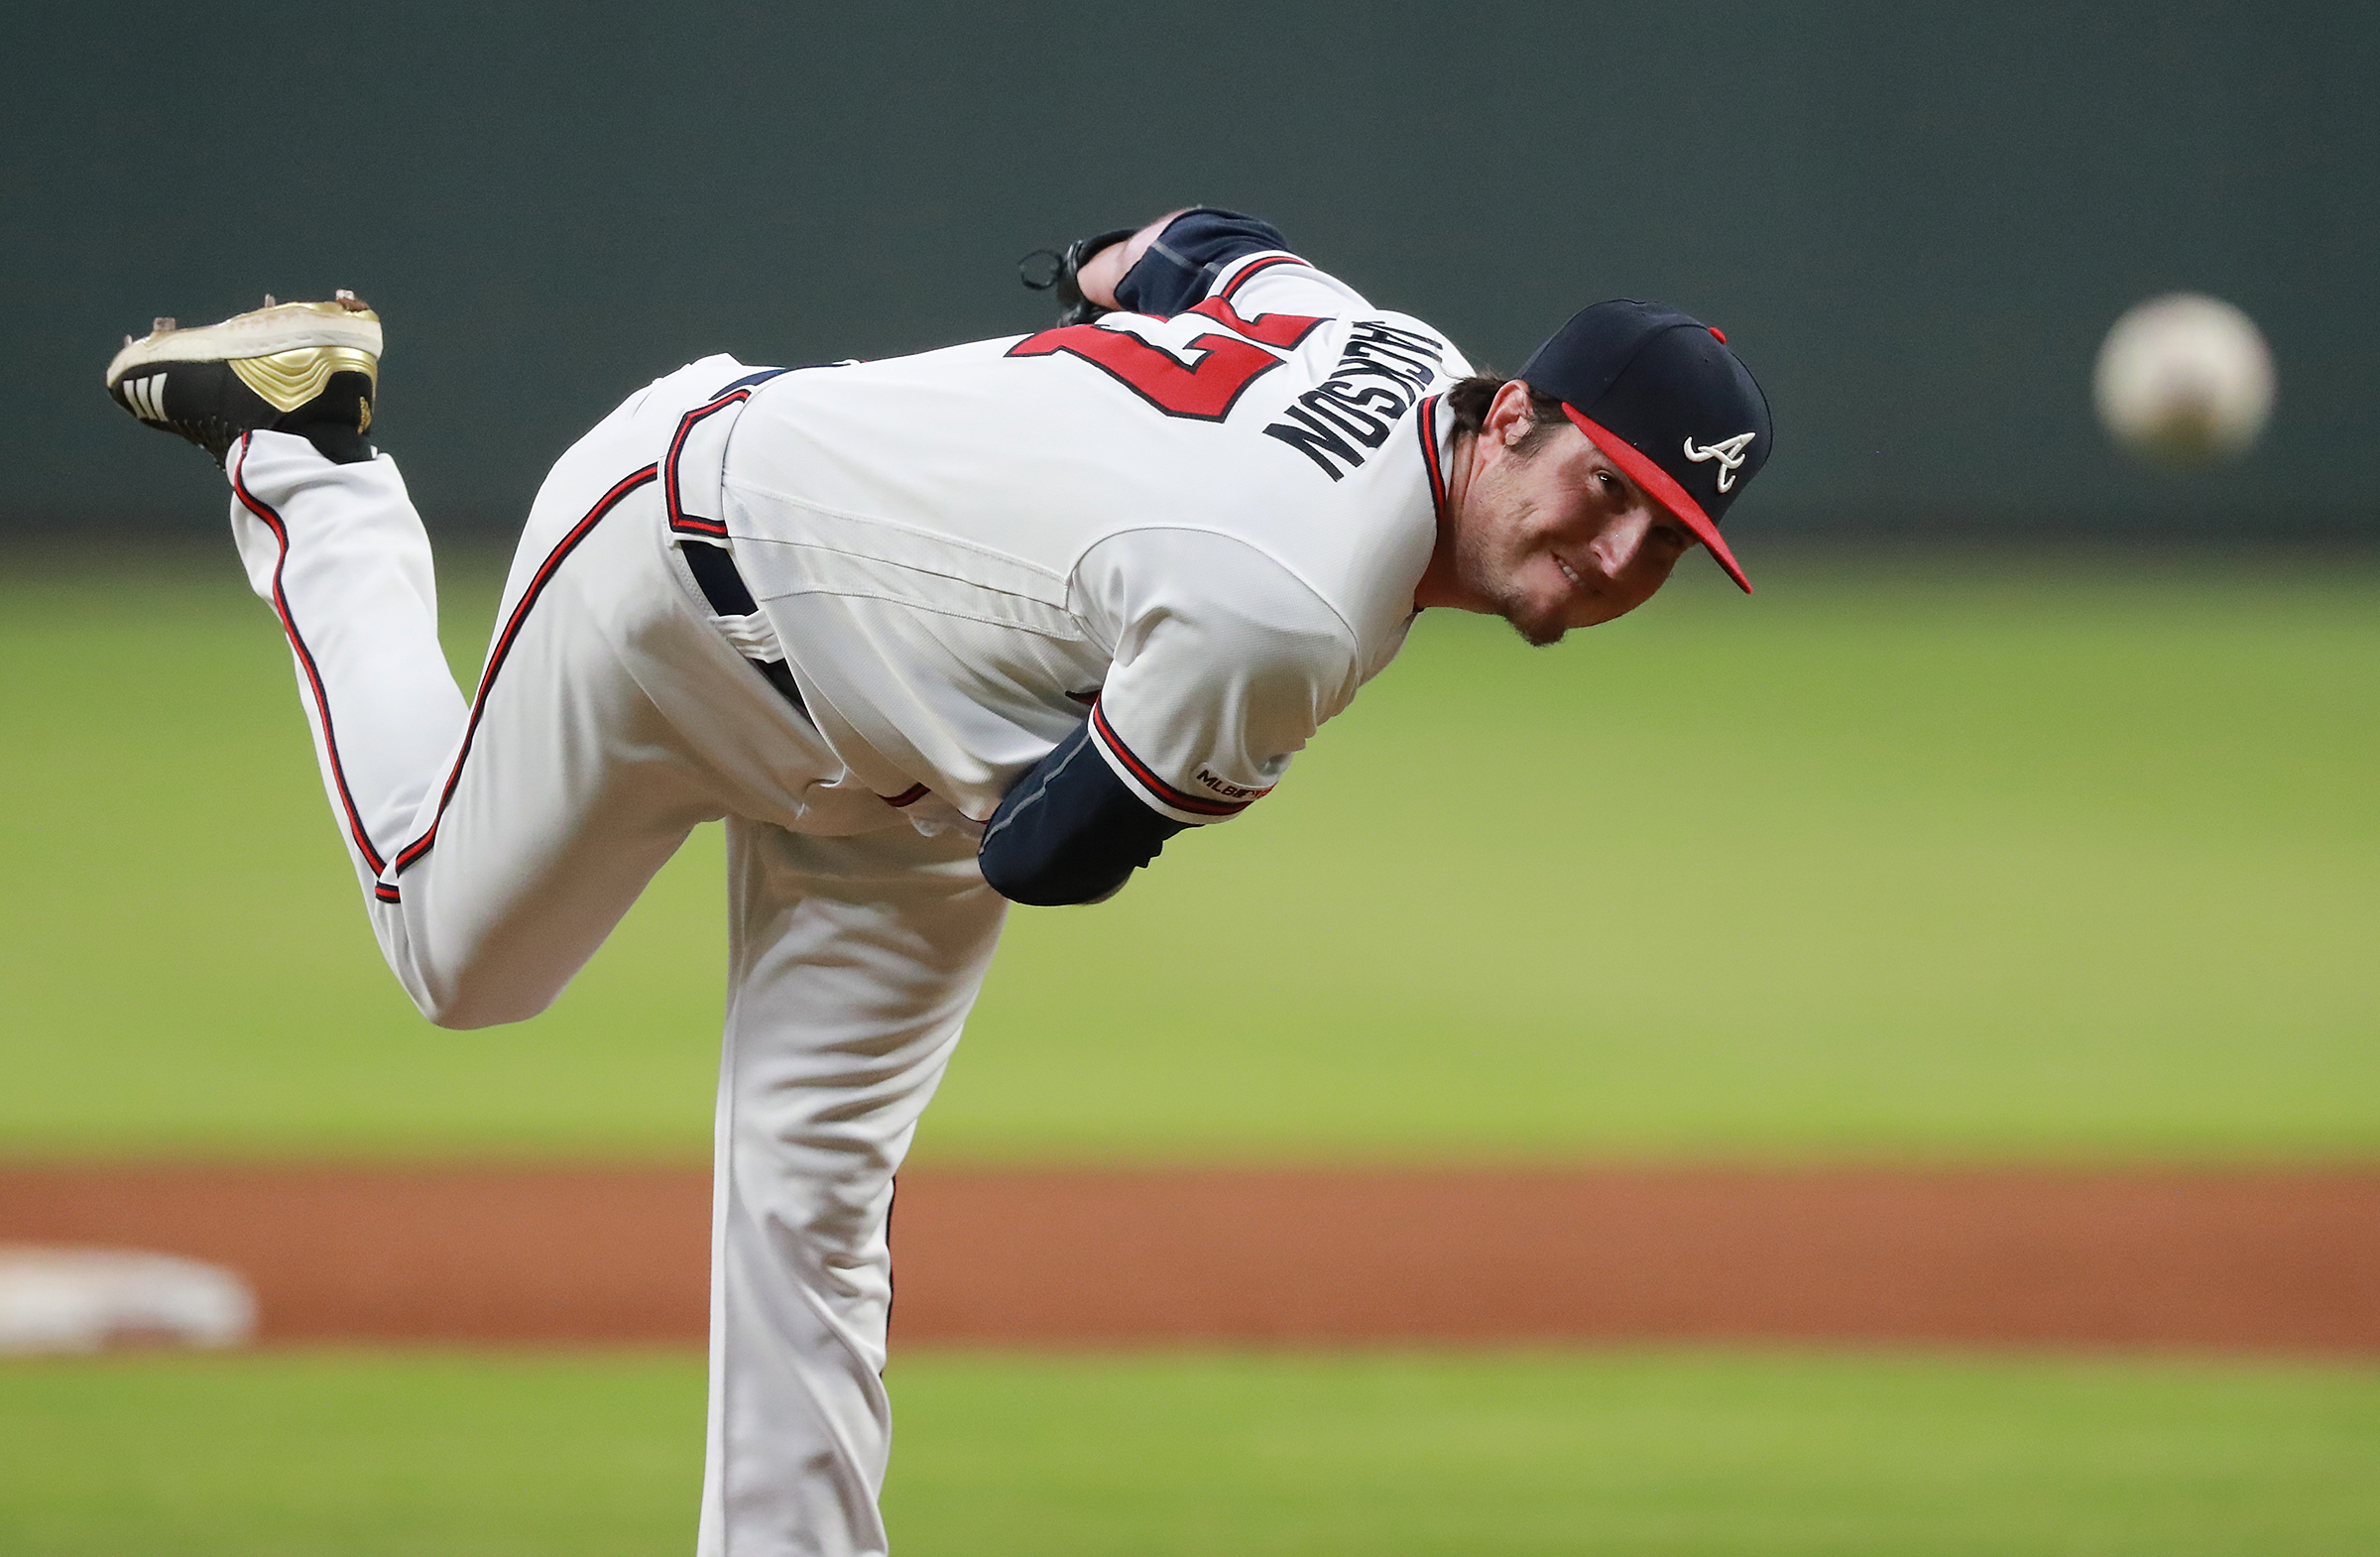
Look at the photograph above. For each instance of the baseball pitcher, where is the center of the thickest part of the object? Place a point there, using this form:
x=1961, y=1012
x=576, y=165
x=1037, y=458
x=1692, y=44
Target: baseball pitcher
x=932, y=635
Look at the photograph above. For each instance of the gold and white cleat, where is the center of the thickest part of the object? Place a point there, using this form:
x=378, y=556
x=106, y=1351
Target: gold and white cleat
x=309, y=368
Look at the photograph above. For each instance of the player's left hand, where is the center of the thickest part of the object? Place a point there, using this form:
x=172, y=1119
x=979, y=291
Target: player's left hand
x=1052, y=270
x=1085, y=277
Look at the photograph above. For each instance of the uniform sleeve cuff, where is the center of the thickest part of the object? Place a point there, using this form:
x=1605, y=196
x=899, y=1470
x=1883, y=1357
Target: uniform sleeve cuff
x=1180, y=267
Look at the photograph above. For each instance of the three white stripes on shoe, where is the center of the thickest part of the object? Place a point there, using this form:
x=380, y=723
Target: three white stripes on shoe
x=148, y=397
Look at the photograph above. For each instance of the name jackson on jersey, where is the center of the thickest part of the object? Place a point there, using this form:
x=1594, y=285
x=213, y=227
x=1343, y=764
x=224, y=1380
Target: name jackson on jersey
x=1378, y=377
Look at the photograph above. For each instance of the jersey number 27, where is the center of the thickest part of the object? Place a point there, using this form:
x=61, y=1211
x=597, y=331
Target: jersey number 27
x=1204, y=390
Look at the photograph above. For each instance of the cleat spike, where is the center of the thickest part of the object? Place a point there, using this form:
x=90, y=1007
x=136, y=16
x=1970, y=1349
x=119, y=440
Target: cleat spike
x=128, y=338
x=271, y=302
x=161, y=326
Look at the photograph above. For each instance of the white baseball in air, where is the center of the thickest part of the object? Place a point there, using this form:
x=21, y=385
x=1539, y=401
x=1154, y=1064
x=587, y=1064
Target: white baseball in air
x=2185, y=377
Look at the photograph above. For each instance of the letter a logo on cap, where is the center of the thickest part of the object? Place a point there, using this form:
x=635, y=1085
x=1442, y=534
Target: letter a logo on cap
x=1729, y=452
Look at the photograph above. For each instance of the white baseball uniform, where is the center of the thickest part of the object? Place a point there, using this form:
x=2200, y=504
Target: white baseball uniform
x=1202, y=531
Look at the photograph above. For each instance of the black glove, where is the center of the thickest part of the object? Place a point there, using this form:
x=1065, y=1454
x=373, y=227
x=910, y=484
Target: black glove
x=1048, y=269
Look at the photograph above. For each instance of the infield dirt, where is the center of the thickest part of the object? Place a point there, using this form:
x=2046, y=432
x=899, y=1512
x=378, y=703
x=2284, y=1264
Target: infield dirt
x=2285, y=1261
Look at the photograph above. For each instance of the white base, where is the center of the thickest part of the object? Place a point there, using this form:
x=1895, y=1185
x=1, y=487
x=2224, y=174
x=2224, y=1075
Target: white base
x=87, y=1300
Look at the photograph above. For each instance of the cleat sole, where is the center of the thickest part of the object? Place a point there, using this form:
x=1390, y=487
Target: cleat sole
x=266, y=333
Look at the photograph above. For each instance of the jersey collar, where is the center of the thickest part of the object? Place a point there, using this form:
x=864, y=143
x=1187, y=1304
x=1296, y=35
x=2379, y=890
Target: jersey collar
x=1437, y=451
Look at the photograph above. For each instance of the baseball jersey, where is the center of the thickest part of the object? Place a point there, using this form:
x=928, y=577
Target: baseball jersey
x=1201, y=529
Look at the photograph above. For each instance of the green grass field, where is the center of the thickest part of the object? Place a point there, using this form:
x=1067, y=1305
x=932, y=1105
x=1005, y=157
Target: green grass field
x=1951, y=860
x=1187, y=1456
x=1941, y=861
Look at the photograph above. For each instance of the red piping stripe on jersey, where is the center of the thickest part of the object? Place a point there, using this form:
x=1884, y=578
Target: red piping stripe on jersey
x=910, y=796
x=1426, y=424
x=1198, y=804
x=1266, y=264
x=414, y=851
x=306, y=657
x=681, y=520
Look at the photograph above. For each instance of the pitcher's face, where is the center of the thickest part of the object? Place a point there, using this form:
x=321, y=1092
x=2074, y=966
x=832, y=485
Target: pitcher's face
x=1560, y=537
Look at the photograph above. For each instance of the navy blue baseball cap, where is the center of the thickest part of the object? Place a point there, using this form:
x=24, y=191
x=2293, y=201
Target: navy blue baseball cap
x=1666, y=400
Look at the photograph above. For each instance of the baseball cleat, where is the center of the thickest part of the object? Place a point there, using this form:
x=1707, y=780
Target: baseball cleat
x=309, y=368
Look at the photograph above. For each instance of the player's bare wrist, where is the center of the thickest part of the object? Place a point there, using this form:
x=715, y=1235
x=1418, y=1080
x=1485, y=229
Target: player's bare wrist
x=1105, y=271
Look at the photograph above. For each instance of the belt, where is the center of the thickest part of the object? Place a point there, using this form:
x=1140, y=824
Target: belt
x=715, y=575
x=691, y=478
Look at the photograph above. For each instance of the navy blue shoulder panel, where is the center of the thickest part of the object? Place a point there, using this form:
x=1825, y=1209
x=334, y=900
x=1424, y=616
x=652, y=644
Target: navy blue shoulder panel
x=1070, y=831
x=763, y=375
x=756, y=376
x=1182, y=264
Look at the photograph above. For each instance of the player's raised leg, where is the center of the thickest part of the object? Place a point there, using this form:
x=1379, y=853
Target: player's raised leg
x=281, y=397
x=497, y=842
x=569, y=785
x=853, y=963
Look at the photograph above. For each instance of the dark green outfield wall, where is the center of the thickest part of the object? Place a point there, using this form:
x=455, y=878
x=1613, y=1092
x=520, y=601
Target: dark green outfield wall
x=1915, y=222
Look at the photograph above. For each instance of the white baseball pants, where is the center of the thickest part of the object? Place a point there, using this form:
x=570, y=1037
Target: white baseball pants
x=499, y=841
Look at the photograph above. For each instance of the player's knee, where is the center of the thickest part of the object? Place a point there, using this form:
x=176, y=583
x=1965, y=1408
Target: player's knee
x=456, y=1018
x=466, y=982
x=474, y=1000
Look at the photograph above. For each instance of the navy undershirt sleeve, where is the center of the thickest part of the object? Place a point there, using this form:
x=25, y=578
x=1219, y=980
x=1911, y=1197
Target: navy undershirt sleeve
x=1184, y=260
x=1070, y=831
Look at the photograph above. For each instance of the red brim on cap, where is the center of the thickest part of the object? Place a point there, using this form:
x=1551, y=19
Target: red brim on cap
x=1663, y=489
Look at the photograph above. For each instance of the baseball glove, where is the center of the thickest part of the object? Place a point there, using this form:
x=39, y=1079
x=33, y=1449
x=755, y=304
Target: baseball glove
x=1053, y=270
